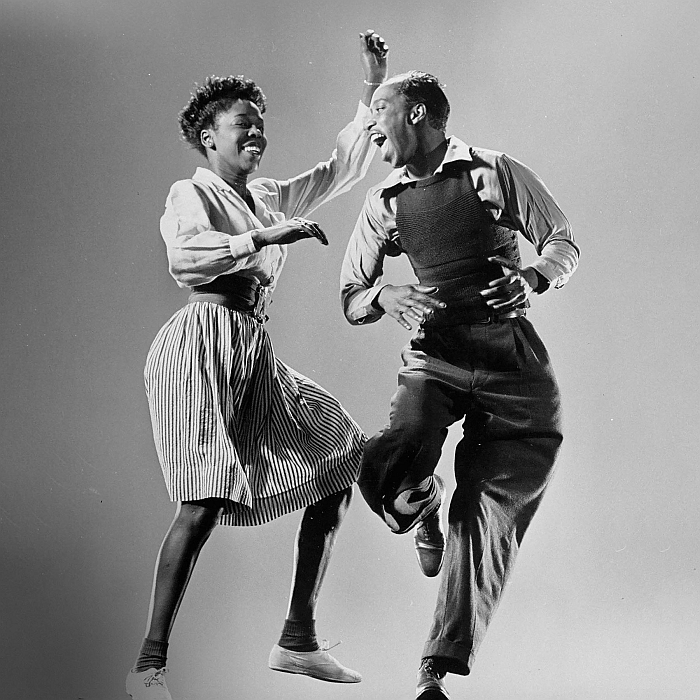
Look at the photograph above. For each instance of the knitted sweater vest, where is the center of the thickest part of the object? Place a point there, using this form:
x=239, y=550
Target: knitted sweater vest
x=448, y=237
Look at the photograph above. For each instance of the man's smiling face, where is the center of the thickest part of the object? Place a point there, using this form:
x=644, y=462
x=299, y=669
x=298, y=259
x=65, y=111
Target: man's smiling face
x=390, y=126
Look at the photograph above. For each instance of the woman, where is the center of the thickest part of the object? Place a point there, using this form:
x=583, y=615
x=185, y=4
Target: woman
x=241, y=437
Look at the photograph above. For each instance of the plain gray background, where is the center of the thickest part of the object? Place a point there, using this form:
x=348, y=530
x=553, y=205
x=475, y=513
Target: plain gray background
x=599, y=98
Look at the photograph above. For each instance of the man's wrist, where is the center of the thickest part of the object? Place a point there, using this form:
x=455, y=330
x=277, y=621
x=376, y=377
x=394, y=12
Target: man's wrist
x=376, y=304
x=536, y=280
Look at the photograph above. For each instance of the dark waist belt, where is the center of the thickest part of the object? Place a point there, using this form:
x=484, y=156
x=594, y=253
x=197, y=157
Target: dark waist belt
x=234, y=292
x=466, y=316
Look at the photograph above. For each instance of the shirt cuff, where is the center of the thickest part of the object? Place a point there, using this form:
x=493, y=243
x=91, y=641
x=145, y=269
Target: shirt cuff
x=242, y=245
x=546, y=270
x=368, y=311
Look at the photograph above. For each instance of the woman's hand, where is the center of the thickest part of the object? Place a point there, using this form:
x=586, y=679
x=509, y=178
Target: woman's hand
x=289, y=231
x=373, y=53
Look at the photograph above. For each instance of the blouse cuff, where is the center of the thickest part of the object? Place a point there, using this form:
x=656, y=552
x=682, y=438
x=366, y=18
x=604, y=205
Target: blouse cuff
x=242, y=245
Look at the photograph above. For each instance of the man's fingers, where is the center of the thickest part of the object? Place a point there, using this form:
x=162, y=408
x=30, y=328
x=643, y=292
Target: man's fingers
x=503, y=262
x=415, y=314
x=505, y=287
x=398, y=316
x=511, y=302
x=506, y=265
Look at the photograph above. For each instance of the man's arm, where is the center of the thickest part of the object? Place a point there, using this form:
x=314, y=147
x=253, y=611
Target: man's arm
x=536, y=214
x=364, y=298
x=530, y=206
x=351, y=158
x=373, y=53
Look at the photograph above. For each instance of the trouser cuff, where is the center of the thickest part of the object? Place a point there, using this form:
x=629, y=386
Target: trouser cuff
x=455, y=657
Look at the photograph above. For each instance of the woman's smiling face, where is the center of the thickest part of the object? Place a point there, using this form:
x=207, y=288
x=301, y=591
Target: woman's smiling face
x=237, y=141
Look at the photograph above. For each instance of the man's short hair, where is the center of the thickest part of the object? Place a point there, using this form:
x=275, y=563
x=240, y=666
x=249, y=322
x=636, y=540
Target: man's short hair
x=419, y=87
x=211, y=99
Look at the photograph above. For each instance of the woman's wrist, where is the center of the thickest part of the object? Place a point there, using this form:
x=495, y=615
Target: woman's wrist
x=258, y=237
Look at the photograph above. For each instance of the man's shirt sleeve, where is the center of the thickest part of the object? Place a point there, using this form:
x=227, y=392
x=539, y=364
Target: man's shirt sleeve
x=530, y=206
x=363, y=265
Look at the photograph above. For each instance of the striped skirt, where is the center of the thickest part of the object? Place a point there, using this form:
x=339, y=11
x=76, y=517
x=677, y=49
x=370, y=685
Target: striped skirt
x=232, y=421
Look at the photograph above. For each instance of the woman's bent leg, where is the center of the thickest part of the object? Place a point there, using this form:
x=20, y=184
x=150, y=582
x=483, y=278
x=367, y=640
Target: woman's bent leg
x=314, y=543
x=298, y=650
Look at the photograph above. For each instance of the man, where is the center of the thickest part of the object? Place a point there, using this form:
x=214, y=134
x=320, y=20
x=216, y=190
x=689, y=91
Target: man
x=455, y=211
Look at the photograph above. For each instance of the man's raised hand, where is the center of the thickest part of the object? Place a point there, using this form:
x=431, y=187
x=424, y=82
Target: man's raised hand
x=373, y=53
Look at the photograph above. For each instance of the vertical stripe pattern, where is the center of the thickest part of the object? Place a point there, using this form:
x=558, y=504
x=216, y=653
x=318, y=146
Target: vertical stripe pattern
x=230, y=420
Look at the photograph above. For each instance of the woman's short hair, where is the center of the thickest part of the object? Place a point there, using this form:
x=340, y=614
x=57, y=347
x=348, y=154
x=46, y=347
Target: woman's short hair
x=216, y=95
x=419, y=87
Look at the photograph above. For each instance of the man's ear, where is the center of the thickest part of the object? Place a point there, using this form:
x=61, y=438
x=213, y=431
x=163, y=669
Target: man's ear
x=417, y=114
x=206, y=138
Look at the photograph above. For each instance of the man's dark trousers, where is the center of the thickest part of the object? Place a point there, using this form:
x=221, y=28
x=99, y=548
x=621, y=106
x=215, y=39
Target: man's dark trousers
x=496, y=377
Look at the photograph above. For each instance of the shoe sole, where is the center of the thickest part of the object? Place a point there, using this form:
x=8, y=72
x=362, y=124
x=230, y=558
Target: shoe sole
x=432, y=694
x=311, y=675
x=424, y=515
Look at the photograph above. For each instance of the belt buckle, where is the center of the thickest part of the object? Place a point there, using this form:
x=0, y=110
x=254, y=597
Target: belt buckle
x=485, y=321
x=515, y=313
x=260, y=303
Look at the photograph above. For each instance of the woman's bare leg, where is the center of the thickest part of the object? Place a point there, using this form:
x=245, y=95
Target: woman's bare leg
x=314, y=543
x=194, y=522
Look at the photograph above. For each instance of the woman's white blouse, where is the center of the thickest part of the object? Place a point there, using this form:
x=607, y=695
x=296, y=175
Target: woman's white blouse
x=207, y=226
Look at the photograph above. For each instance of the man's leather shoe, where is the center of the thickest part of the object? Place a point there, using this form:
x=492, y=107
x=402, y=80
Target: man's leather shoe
x=430, y=685
x=413, y=505
x=430, y=538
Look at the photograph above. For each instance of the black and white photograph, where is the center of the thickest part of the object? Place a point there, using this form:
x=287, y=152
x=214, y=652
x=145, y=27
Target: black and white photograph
x=348, y=350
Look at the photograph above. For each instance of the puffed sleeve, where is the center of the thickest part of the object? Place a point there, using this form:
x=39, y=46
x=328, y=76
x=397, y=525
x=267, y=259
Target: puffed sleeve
x=197, y=253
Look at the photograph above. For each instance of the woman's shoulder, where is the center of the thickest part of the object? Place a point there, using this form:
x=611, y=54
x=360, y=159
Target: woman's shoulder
x=189, y=194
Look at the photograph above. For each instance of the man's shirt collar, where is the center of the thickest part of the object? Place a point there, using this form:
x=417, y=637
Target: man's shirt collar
x=456, y=150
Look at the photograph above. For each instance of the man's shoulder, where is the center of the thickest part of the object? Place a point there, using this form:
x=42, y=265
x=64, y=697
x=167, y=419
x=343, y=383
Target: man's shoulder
x=486, y=156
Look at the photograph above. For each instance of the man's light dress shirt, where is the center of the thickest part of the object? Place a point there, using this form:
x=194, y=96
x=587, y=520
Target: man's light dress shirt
x=513, y=195
x=207, y=226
